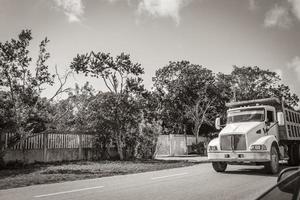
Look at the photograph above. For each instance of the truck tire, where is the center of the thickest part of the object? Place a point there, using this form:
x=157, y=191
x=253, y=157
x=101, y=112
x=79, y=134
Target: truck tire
x=219, y=166
x=293, y=152
x=272, y=167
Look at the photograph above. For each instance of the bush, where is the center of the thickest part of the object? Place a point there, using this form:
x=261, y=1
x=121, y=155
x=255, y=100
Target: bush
x=147, y=141
x=199, y=148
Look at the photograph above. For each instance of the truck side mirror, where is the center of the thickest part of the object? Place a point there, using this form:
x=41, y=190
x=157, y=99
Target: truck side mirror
x=288, y=180
x=218, y=123
x=280, y=118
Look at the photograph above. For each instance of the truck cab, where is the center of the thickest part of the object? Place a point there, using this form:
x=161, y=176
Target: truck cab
x=250, y=136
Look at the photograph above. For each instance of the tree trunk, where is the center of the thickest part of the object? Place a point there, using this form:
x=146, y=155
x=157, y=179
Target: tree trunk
x=196, y=132
x=120, y=152
x=104, y=152
x=185, y=138
x=23, y=143
x=136, y=149
x=2, y=154
x=120, y=146
x=2, y=149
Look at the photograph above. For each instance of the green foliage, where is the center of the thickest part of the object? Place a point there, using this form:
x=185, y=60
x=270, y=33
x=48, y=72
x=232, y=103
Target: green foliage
x=120, y=111
x=6, y=114
x=147, y=140
x=187, y=98
x=85, y=111
x=187, y=95
x=120, y=75
x=25, y=112
x=256, y=83
x=74, y=111
x=102, y=121
x=199, y=148
x=190, y=96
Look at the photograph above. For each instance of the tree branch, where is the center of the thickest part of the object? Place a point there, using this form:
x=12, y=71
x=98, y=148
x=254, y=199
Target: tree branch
x=106, y=83
x=62, y=83
x=112, y=84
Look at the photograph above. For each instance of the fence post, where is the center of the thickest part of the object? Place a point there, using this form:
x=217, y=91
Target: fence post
x=171, y=144
x=3, y=140
x=45, y=146
x=80, y=146
x=3, y=145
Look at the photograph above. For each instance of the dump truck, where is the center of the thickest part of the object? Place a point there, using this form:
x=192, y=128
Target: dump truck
x=259, y=132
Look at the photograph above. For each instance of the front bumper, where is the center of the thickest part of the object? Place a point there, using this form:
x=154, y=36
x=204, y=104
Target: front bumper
x=240, y=156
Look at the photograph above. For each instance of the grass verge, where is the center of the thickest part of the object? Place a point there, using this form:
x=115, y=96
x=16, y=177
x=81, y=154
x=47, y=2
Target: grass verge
x=69, y=171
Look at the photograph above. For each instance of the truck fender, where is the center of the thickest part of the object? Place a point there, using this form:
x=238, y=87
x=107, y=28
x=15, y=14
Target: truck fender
x=267, y=140
x=214, y=142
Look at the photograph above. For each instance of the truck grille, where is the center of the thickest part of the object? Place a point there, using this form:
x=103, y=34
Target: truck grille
x=233, y=142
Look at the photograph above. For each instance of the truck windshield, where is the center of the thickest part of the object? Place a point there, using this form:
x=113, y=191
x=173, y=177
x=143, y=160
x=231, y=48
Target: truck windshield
x=245, y=115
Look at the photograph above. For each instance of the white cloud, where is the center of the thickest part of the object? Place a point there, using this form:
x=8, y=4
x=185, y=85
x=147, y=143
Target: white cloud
x=295, y=66
x=295, y=7
x=73, y=9
x=162, y=8
x=252, y=5
x=283, y=15
x=278, y=16
x=112, y=1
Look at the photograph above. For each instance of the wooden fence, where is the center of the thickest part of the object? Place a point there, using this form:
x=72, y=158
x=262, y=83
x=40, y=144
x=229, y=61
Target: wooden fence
x=176, y=144
x=53, y=141
x=51, y=146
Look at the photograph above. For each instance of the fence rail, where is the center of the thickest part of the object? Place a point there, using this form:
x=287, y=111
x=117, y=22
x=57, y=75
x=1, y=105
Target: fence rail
x=52, y=141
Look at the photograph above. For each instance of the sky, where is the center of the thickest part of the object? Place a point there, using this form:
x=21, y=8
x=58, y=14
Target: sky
x=214, y=33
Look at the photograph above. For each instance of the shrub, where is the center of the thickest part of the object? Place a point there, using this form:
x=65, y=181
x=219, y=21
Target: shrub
x=199, y=148
x=147, y=141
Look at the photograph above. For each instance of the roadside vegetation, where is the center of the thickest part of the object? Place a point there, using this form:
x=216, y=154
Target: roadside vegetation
x=185, y=99
x=57, y=172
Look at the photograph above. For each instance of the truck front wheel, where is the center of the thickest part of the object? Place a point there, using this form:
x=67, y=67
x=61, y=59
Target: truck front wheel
x=272, y=167
x=219, y=166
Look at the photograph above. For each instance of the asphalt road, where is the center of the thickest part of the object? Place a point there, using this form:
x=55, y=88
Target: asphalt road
x=196, y=182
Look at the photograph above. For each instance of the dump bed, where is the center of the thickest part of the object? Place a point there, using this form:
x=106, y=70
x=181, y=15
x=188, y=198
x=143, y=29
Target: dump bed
x=291, y=129
x=292, y=124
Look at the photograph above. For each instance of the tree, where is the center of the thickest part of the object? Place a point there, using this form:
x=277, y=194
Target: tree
x=110, y=128
x=90, y=113
x=26, y=113
x=202, y=110
x=147, y=139
x=187, y=96
x=223, y=83
x=255, y=83
x=102, y=122
x=74, y=110
x=121, y=77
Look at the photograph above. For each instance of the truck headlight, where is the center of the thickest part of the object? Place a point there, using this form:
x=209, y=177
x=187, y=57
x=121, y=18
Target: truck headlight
x=255, y=147
x=213, y=148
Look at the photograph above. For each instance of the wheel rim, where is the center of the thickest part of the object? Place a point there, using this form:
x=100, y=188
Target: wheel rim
x=274, y=159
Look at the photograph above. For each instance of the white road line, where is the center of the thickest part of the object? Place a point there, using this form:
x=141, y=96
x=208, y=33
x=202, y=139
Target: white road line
x=160, y=177
x=70, y=191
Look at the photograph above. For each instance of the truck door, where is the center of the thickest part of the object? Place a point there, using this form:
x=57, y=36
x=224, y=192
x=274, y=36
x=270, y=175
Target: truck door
x=270, y=121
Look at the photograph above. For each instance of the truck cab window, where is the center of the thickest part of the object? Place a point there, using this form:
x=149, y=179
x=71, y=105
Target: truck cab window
x=245, y=115
x=270, y=116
